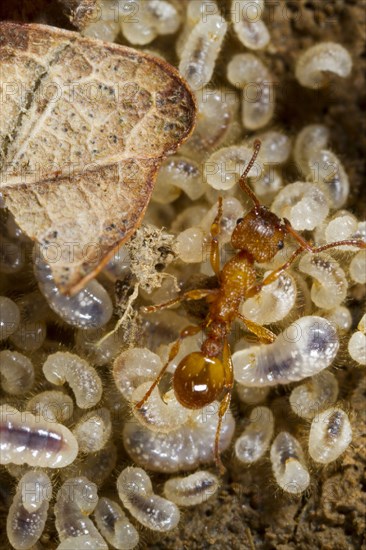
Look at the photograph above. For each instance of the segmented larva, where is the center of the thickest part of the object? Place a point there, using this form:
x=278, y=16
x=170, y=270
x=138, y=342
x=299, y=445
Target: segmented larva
x=330, y=435
x=113, y=524
x=196, y=12
x=317, y=61
x=61, y=367
x=9, y=317
x=255, y=439
x=305, y=348
x=133, y=367
x=201, y=50
x=250, y=29
x=159, y=414
x=273, y=302
x=303, y=204
x=17, y=372
x=309, y=398
x=288, y=464
x=89, y=308
x=28, y=512
x=309, y=140
x=357, y=343
x=327, y=172
x=246, y=71
x=75, y=501
x=182, y=449
x=178, y=174
x=136, y=493
x=52, y=406
x=191, y=490
x=223, y=168
x=27, y=439
x=329, y=289
x=93, y=430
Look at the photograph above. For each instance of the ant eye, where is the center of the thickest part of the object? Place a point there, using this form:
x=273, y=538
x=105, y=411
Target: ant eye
x=280, y=245
x=239, y=220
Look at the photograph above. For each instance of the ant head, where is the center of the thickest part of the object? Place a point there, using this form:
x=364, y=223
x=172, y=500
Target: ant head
x=261, y=233
x=198, y=380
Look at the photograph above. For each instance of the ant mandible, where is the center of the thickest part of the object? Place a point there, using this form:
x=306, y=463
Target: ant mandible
x=203, y=376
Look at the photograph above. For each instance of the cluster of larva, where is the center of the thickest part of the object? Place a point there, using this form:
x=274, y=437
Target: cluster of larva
x=71, y=381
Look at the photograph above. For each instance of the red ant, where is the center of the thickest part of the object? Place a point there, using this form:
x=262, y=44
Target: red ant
x=202, y=376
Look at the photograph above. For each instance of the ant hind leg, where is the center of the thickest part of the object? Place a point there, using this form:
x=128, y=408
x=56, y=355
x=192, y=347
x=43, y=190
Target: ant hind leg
x=225, y=402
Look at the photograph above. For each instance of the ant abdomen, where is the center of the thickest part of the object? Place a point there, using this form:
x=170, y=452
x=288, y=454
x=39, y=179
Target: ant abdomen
x=198, y=380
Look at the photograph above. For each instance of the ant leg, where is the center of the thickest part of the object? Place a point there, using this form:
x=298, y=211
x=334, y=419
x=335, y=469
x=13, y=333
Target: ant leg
x=188, y=331
x=225, y=402
x=265, y=336
x=189, y=295
x=215, y=232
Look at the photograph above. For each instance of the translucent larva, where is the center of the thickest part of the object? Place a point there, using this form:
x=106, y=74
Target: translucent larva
x=75, y=501
x=329, y=288
x=309, y=140
x=53, y=406
x=152, y=17
x=89, y=308
x=136, y=493
x=223, y=168
x=11, y=256
x=178, y=173
x=246, y=71
x=159, y=414
x=102, y=30
x=251, y=396
x=273, y=302
x=183, y=449
x=275, y=147
x=9, y=317
x=357, y=268
x=191, y=490
x=330, y=435
x=303, y=204
x=133, y=367
x=17, y=372
x=327, y=172
x=305, y=348
x=61, y=367
x=93, y=430
x=255, y=439
x=316, y=394
x=28, y=511
x=250, y=29
x=288, y=464
x=113, y=524
x=357, y=343
x=27, y=439
x=201, y=50
x=318, y=61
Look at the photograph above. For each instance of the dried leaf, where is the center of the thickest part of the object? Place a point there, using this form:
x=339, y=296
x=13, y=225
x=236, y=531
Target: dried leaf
x=84, y=127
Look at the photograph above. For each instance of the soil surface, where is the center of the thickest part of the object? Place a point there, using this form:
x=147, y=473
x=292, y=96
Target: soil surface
x=249, y=511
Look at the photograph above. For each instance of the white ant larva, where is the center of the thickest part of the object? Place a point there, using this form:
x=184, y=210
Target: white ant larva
x=312, y=396
x=191, y=490
x=248, y=25
x=136, y=493
x=93, y=430
x=9, y=317
x=17, y=372
x=313, y=66
x=255, y=439
x=133, y=367
x=28, y=512
x=61, y=367
x=54, y=406
x=27, y=439
x=182, y=449
x=89, y=308
x=201, y=49
x=114, y=526
x=75, y=501
x=288, y=464
x=305, y=348
x=309, y=140
x=330, y=435
x=357, y=343
x=330, y=285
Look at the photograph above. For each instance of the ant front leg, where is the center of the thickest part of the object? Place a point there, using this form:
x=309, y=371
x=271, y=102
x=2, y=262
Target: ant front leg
x=189, y=295
x=215, y=233
x=188, y=331
x=225, y=402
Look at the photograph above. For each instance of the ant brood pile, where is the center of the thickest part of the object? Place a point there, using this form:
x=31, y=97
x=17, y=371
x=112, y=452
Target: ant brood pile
x=92, y=381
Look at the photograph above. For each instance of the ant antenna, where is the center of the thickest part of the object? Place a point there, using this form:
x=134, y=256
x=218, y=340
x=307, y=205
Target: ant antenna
x=242, y=181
